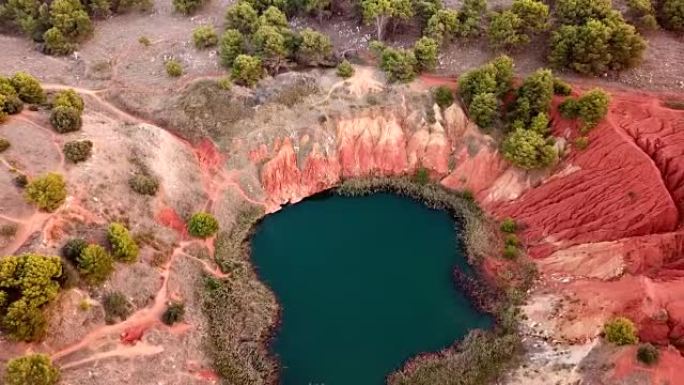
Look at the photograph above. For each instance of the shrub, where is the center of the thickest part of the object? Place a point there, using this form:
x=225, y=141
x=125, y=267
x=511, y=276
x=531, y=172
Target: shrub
x=71, y=19
x=494, y=77
x=28, y=88
x=671, y=14
x=173, y=68
x=65, y=119
x=21, y=180
x=314, y=48
x=580, y=11
x=204, y=36
x=505, y=30
x=528, y=149
x=116, y=307
x=569, y=108
x=48, y=192
x=247, y=70
x=582, y=142
x=231, y=46
x=508, y=225
x=95, y=264
x=470, y=17
x=426, y=51
x=273, y=17
x=483, y=109
x=225, y=83
x=144, y=40
x=443, y=25
x=187, y=7
x=4, y=144
x=533, y=14
x=510, y=252
x=512, y=240
x=592, y=107
x=34, y=369
x=345, y=69
x=9, y=100
x=72, y=250
x=242, y=17
x=123, y=246
x=144, y=184
x=534, y=96
x=56, y=43
x=68, y=98
x=398, y=64
x=174, y=313
x=202, y=225
x=421, y=176
x=620, y=331
x=647, y=354
x=561, y=88
x=78, y=150
x=443, y=96
x=271, y=46
x=24, y=322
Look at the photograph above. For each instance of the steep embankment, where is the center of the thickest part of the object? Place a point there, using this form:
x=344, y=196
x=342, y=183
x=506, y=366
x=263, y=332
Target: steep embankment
x=604, y=225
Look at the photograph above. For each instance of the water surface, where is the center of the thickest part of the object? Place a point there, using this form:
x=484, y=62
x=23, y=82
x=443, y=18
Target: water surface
x=364, y=284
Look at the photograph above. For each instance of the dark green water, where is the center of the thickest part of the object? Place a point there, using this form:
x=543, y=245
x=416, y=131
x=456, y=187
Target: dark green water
x=364, y=283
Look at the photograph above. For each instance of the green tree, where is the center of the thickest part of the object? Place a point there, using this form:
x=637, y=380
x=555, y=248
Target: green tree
x=443, y=25
x=620, y=331
x=243, y=17
x=528, y=149
x=315, y=47
x=70, y=18
x=204, y=36
x=247, y=70
x=28, y=88
x=68, y=98
x=426, y=51
x=271, y=46
x=73, y=249
x=95, y=264
x=29, y=16
x=534, y=15
x=398, y=64
x=470, y=17
x=534, y=96
x=123, y=246
x=231, y=45
x=484, y=109
x=317, y=7
x=381, y=12
x=34, y=369
x=425, y=9
x=174, y=313
x=56, y=43
x=187, y=7
x=262, y=5
x=648, y=354
x=273, y=17
x=672, y=14
x=443, y=96
x=48, y=191
x=202, y=225
x=592, y=107
x=494, y=77
x=505, y=30
x=581, y=11
x=65, y=119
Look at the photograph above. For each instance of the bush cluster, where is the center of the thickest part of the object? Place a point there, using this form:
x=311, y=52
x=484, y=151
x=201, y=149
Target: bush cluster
x=28, y=282
x=123, y=246
x=202, y=225
x=33, y=369
x=593, y=38
x=78, y=150
x=48, y=192
x=513, y=27
x=511, y=249
x=620, y=331
x=65, y=119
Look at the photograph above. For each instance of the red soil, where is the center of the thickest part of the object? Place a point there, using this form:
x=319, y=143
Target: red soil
x=169, y=218
x=666, y=371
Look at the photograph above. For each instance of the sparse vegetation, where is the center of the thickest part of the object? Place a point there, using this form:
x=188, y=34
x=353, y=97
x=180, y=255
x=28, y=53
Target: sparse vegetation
x=78, y=150
x=95, y=264
x=204, y=36
x=123, y=246
x=620, y=331
x=33, y=369
x=116, y=307
x=421, y=176
x=202, y=225
x=144, y=184
x=48, y=192
x=173, y=68
x=174, y=313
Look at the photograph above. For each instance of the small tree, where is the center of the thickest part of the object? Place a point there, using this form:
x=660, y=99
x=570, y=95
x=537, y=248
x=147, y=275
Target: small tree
x=426, y=51
x=71, y=19
x=314, y=48
x=95, y=264
x=204, y=36
x=561, y=88
x=48, y=191
x=247, y=70
x=231, y=46
x=273, y=17
x=494, y=77
x=242, y=17
x=78, y=150
x=345, y=69
x=443, y=25
x=580, y=11
x=398, y=64
x=620, y=331
x=534, y=15
x=484, y=109
x=534, y=96
x=56, y=43
x=68, y=98
x=65, y=119
x=123, y=246
x=271, y=46
x=443, y=96
x=202, y=225
x=528, y=149
x=34, y=369
x=381, y=12
x=505, y=30
x=28, y=88
x=672, y=14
